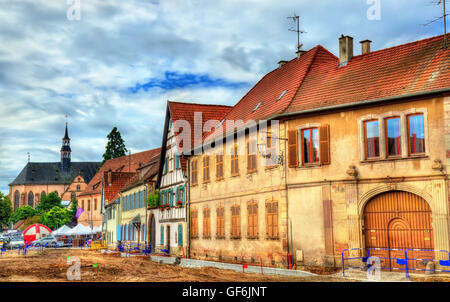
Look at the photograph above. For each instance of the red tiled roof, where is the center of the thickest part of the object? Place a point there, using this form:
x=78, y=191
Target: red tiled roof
x=185, y=111
x=128, y=163
x=118, y=181
x=415, y=67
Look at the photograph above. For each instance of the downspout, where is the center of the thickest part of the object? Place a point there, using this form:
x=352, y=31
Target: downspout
x=146, y=221
x=288, y=221
x=188, y=208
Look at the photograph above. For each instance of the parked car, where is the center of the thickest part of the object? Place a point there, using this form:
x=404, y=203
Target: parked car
x=16, y=242
x=48, y=241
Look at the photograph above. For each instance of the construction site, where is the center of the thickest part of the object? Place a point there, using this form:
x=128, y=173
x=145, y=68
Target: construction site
x=52, y=265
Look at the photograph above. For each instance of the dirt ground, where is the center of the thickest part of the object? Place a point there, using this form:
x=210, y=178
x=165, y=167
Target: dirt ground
x=51, y=266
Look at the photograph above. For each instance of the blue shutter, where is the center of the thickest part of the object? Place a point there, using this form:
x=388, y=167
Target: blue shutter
x=171, y=197
x=180, y=235
x=176, y=196
x=177, y=165
x=141, y=198
x=118, y=233
x=162, y=235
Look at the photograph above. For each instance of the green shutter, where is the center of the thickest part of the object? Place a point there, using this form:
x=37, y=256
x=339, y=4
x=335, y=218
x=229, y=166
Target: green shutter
x=180, y=235
x=162, y=235
x=183, y=195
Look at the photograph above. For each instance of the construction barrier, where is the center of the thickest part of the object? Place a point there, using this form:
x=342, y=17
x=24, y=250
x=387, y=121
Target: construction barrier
x=402, y=260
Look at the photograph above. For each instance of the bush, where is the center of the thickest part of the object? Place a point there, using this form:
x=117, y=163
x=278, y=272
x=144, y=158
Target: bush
x=23, y=213
x=153, y=199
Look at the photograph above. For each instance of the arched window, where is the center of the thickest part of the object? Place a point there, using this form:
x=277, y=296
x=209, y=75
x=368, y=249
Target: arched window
x=16, y=200
x=31, y=199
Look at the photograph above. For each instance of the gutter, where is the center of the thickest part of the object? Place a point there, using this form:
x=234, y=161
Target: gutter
x=360, y=103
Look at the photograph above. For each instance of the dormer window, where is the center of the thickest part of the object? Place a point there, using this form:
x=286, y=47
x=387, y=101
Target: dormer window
x=281, y=95
x=257, y=106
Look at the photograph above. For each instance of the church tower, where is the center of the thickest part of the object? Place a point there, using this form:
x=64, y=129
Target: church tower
x=65, y=153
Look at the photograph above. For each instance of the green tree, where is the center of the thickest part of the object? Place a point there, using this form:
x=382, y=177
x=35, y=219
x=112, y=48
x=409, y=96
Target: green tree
x=56, y=217
x=115, y=146
x=153, y=199
x=23, y=213
x=73, y=207
x=48, y=202
x=5, y=210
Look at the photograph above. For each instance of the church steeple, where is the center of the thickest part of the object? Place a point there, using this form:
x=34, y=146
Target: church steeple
x=65, y=152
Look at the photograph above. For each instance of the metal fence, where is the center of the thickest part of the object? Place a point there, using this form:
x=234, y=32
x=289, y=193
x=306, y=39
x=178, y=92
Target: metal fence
x=405, y=260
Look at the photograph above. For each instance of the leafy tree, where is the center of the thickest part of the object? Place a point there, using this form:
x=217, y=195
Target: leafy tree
x=115, y=146
x=48, y=202
x=153, y=199
x=23, y=213
x=56, y=217
x=5, y=210
x=73, y=207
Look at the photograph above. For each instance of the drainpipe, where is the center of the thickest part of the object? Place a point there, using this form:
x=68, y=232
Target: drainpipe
x=188, y=209
x=285, y=163
x=146, y=221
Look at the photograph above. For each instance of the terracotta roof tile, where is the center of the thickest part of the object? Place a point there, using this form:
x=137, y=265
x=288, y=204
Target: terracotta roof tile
x=128, y=163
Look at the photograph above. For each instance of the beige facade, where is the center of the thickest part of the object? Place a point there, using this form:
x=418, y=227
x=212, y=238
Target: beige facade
x=256, y=187
x=91, y=215
x=321, y=238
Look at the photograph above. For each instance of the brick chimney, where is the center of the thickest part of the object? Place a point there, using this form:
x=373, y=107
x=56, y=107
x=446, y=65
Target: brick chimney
x=345, y=49
x=109, y=177
x=365, y=46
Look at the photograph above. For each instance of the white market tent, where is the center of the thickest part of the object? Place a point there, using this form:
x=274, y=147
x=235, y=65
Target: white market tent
x=62, y=231
x=97, y=229
x=80, y=230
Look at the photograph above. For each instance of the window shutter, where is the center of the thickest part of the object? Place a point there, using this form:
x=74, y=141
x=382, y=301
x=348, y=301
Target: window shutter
x=324, y=144
x=162, y=235
x=293, y=148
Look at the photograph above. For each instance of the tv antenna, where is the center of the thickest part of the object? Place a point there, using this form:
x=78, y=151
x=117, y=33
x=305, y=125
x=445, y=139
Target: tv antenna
x=296, y=19
x=444, y=17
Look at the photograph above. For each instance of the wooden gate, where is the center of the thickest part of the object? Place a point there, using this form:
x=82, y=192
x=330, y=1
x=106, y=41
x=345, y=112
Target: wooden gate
x=399, y=220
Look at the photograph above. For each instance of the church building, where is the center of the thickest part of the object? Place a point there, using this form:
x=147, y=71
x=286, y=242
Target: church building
x=65, y=178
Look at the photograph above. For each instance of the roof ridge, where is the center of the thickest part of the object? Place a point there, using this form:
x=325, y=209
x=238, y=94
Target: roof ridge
x=188, y=103
x=297, y=88
x=401, y=45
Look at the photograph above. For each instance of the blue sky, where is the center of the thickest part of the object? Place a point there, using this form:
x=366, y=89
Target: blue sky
x=121, y=62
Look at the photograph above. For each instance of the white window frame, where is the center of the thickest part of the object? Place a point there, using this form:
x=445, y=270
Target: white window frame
x=381, y=132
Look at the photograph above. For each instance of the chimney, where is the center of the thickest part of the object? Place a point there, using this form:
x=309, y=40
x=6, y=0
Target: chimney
x=300, y=53
x=365, y=46
x=345, y=49
x=109, y=177
x=281, y=63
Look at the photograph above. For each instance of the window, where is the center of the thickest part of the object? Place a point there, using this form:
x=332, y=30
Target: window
x=194, y=172
x=194, y=224
x=206, y=169
x=235, y=222
x=251, y=156
x=95, y=204
x=272, y=220
x=257, y=106
x=166, y=163
x=206, y=223
x=89, y=205
x=416, y=134
x=220, y=223
x=281, y=95
x=235, y=161
x=82, y=204
x=219, y=166
x=371, y=139
x=310, y=140
x=177, y=162
x=252, y=209
x=393, y=136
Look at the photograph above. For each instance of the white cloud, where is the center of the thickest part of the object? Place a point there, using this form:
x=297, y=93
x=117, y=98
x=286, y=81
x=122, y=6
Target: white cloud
x=50, y=66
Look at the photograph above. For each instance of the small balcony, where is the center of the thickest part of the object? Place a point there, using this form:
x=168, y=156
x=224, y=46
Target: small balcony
x=172, y=214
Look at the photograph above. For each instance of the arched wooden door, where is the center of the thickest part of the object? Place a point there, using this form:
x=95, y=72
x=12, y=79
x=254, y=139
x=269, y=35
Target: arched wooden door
x=399, y=220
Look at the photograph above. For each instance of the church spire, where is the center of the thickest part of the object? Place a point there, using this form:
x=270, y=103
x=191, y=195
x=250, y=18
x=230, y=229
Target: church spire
x=65, y=152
